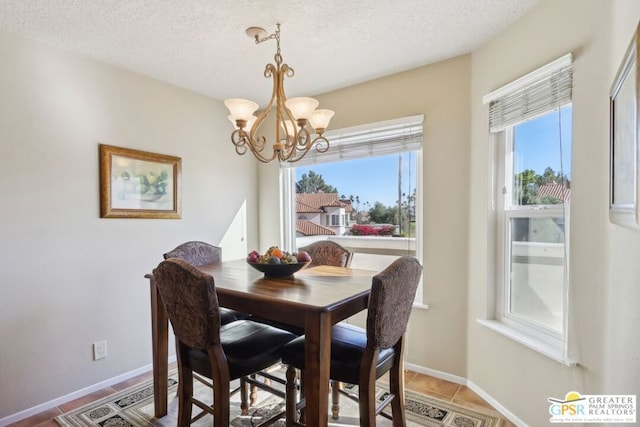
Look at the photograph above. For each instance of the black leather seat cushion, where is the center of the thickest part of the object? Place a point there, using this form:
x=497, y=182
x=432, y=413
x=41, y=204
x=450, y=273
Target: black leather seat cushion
x=249, y=347
x=348, y=343
x=297, y=330
x=227, y=315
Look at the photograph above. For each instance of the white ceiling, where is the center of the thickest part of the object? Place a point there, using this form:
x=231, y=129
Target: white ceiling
x=201, y=44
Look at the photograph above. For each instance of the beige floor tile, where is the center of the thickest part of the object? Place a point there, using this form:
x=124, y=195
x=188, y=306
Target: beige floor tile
x=507, y=423
x=431, y=385
x=466, y=395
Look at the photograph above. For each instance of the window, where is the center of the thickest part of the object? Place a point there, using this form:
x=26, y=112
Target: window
x=367, y=189
x=530, y=120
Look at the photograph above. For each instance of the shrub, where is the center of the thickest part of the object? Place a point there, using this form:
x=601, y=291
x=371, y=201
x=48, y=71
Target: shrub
x=369, y=230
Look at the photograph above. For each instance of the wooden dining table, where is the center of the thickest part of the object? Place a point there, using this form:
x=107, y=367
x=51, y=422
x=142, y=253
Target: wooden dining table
x=314, y=299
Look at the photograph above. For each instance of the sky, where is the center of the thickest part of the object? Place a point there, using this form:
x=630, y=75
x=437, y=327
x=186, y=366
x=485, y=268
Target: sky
x=371, y=179
x=538, y=143
x=376, y=178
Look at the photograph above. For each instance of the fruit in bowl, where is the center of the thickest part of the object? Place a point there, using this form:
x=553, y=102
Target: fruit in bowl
x=276, y=262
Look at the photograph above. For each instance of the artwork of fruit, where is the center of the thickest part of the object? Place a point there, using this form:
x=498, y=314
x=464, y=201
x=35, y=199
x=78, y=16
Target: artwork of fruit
x=149, y=186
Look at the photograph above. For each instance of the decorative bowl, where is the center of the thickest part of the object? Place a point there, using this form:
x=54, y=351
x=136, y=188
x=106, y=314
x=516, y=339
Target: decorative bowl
x=278, y=270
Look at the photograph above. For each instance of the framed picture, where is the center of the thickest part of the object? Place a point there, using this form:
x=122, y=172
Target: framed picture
x=624, y=188
x=138, y=184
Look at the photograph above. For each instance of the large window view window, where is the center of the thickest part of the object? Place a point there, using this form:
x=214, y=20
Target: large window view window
x=531, y=123
x=535, y=214
x=362, y=194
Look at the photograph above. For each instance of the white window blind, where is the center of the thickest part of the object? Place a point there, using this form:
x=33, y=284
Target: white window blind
x=373, y=139
x=543, y=90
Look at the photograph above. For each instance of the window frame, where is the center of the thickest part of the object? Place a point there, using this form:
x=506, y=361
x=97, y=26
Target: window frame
x=505, y=211
x=539, y=92
x=288, y=193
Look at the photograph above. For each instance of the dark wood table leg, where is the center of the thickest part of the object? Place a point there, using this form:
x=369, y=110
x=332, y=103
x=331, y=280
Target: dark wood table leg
x=160, y=343
x=317, y=356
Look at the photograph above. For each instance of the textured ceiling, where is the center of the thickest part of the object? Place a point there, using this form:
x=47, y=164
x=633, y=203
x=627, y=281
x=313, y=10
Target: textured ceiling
x=201, y=44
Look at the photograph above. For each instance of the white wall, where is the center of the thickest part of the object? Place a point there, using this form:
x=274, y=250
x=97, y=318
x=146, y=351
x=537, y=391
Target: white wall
x=604, y=315
x=69, y=278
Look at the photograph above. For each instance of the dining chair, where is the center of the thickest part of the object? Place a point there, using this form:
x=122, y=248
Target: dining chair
x=327, y=252
x=361, y=356
x=200, y=253
x=221, y=353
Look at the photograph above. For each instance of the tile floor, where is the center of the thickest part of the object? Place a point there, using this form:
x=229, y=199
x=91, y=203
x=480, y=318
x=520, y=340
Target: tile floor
x=425, y=384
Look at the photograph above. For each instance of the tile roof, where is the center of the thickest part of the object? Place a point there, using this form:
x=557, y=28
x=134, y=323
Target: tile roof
x=304, y=208
x=320, y=200
x=555, y=190
x=309, y=228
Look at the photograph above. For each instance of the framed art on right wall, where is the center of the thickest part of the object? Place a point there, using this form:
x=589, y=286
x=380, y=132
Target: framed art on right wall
x=623, y=180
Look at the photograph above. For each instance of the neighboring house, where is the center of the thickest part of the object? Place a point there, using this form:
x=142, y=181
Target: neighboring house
x=555, y=190
x=322, y=214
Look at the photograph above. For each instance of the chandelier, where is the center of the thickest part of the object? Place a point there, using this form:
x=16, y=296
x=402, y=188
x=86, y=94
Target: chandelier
x=299, y=125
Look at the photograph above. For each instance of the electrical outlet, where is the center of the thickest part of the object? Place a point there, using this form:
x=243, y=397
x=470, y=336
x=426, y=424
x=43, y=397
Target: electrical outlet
x=99, y=350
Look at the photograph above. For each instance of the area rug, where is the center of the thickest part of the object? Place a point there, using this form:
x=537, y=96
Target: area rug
x=133, y=407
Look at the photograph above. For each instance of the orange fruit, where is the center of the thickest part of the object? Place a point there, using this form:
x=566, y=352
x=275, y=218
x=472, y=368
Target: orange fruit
x=277, y=253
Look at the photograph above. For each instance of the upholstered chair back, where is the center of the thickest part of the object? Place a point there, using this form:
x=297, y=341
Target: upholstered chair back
x=189, y=296
x=392, y=294
x=326, y=252
x=196, y=253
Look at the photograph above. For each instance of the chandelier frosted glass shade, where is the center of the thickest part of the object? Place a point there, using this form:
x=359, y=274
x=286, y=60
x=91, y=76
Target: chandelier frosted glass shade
x=241, y=109
x=320, y=119
x=299, y=124
x=301, y=108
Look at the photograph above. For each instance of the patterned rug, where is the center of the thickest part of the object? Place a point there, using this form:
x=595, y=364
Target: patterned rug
x=133, y=407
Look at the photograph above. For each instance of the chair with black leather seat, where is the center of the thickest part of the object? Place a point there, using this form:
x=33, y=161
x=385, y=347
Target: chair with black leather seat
x=201, y=253
x=219, y=352
x=327, y=252
x=361, y=356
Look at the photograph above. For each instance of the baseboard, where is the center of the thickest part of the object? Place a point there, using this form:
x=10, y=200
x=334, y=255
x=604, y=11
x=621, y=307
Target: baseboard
x=438, y=374
x=75, y=395
x=499, y=407
x=463, y=381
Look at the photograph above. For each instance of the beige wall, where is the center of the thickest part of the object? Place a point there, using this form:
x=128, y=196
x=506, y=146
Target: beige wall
x=69, y=278
x=604, y=257
x=440, y=92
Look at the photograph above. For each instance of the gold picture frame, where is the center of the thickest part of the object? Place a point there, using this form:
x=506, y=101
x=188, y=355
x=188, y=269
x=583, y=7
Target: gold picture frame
x=624, y=187
x=139, y=184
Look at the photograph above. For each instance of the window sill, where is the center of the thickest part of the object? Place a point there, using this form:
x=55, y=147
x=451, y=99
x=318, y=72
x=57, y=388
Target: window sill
x=546, y=349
